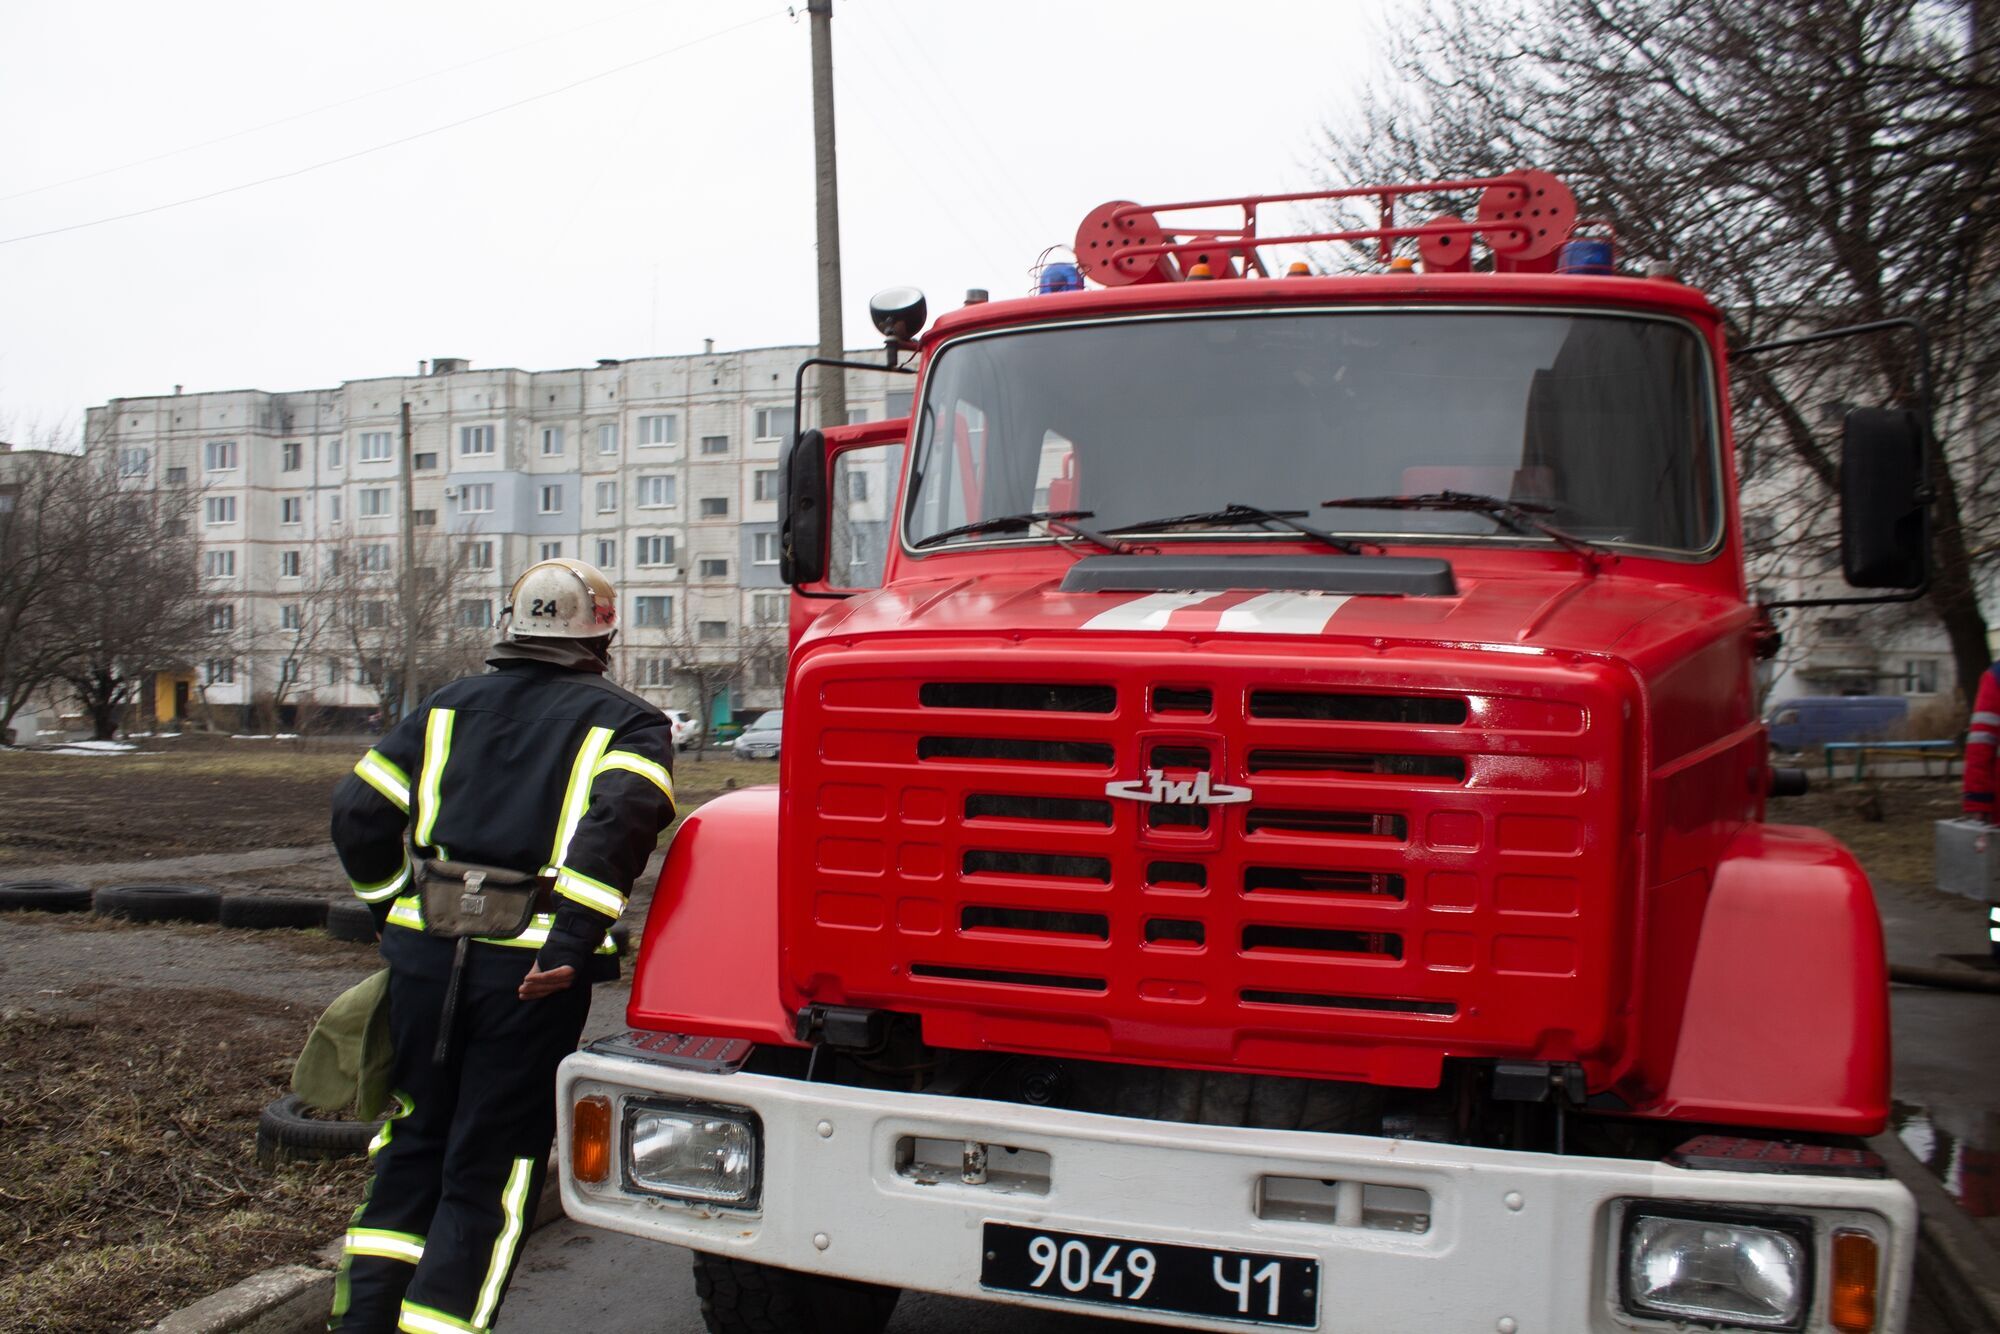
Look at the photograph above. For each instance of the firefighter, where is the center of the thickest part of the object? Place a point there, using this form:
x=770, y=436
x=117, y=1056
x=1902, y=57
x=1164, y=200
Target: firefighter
x=539, y=786
x=1980, y=742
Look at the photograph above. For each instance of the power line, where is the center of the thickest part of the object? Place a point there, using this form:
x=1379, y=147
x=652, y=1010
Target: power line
x=314, y=111
x=395, y=143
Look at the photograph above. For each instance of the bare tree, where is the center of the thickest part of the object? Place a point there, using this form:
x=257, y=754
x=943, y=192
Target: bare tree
x=717, y=661
x=361, y=599
x=38, y=500
x=1806, y=162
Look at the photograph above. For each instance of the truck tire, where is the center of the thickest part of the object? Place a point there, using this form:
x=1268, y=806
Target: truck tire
x=350, y=919
x=159, y=903
x=43, y=896
x=266, y=912
x=744, y=1297
x=286, y=1132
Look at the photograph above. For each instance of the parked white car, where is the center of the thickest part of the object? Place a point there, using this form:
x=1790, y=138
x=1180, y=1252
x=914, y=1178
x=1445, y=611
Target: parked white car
x=687, y=728
x=760, y=739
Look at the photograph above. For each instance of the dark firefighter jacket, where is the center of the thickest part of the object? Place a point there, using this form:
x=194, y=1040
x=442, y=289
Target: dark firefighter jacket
x=532, y=767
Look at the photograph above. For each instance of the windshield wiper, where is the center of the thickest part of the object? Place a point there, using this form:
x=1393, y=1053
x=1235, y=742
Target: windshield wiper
x=1057, y=520
x=1244, y=514
x=1519, y=516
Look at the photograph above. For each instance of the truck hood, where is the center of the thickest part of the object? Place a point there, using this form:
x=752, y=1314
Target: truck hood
x=1533, y=609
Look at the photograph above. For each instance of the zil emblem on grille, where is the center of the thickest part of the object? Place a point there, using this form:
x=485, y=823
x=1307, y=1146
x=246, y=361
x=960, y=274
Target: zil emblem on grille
x=1197, y=791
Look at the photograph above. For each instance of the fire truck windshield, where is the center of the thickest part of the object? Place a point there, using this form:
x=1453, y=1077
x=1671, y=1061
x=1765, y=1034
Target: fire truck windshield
x=1602, y=422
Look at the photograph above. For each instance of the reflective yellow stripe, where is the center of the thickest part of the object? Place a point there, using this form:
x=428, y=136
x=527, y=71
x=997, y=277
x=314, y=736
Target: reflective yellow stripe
x=576, y=797
x=514, y=1203
x=430, y=1320
x=389, y=1245
x=383, y=889
x=378, y=772
x=590, y=893
x=437, y=750
x=406, y=911
x=640, y=765
x=403, y=1108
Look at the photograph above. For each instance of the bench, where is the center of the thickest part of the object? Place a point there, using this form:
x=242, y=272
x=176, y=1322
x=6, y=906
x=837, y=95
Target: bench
x=1923, y=751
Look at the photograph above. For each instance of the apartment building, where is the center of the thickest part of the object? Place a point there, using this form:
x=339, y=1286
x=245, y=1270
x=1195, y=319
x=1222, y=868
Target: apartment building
x=663, y=471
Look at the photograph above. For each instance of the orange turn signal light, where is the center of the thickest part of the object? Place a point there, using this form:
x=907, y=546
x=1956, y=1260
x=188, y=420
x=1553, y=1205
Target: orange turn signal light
x=1856, y=1261
x=590, y=1140
x=1299, y=269
x=1201, y=270
x=1402, y=264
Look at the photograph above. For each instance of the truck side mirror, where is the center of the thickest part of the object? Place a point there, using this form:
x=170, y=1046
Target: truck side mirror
x=1884, y=500
x=802, y=535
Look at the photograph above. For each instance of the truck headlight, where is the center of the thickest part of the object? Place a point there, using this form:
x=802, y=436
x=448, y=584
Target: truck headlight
x=1739, y=1271
x=692, y=1151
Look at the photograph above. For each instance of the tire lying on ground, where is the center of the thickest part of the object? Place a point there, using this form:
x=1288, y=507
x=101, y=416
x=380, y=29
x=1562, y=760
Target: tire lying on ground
x=159, y=903
x=265, y=912
x=43, y=896
x=744, y=1297
x=350, y=919
x=286, y=1131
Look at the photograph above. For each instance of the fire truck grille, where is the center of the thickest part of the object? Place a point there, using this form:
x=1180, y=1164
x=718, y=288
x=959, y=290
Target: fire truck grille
x=1248, y=857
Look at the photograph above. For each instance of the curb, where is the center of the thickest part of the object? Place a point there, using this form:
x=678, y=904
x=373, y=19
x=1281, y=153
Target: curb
x=1956, y=1261
x=295, y=1299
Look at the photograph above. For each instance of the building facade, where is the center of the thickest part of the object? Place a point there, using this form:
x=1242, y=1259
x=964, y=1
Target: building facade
x=663, y=471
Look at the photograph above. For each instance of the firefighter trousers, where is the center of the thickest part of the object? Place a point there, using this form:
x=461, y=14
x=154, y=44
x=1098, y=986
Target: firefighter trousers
x=459, y=1163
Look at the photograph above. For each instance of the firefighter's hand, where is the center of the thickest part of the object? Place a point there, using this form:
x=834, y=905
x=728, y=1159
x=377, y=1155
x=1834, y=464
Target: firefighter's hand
x=538, y=984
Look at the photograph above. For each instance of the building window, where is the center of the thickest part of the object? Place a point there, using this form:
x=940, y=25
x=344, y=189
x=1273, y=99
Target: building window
x=172, y=527
x=551, y=501
x=658, y=492
x=175, y=476
x=335, y=673
x=653, y=551
x=1920, y=676
x=374, y=615
x=475, y=441
x=288, y=616
x=222, y=617
x=656, y=672
x=424, y=518
x=374, y=502
x=333, y=508
x=288, y=671
x=288, y=564
x=607, y=438
x=290, y=455
x=552, y=440
x=425, y=462
x=858, y=554
x=1839, y=627
x=291, y=509
x=475, y=612
x=770, y=608
x=1759, y=530
x=333, y=452
x=219, y=564
x=714, y=507
x=857, y=416
x=654, y=611
x=764, y=484
x=857, y=486
x=551, y=551
x=220, y=456
x=374, y=558
x=219, y=671
x=773, y=423
x=607, y=554
x=661, y=430
x=607, y=497
x=376, y=447
x=712, y=631
x=478, y=555
x=715, y=444
x=712, y=568
x=333, y=562
x=133, y=461
x=219, y=509
x=764, y=548
x=896, y=403
x=475, y=498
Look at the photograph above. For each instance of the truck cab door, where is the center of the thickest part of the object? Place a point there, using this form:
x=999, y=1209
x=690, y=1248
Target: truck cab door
x=837, y=514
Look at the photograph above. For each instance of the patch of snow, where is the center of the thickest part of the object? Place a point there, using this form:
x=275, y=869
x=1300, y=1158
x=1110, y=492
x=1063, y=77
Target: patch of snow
x=93, y=748
x=281, y=736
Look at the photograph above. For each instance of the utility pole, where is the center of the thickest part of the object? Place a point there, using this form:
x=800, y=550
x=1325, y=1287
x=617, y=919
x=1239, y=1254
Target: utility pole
x=409, y=617
x=832, y=382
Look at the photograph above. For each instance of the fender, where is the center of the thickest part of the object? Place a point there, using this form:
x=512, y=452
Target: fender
x=708, y=959
x=1787, y=1016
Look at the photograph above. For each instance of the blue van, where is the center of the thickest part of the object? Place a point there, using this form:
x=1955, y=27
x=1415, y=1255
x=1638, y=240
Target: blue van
x=1814, y=720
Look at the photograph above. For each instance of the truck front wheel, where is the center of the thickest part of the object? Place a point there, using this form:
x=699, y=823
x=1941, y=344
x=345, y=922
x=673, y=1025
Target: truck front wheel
x=744, y=1297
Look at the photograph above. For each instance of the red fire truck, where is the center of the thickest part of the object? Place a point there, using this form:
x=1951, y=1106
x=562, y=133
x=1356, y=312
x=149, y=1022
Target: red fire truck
x=1271, y=824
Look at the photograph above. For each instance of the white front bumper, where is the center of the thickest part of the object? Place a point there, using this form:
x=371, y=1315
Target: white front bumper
x=1519, y=1243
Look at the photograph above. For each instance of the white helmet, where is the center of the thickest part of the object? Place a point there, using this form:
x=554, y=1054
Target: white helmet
x=562, y=599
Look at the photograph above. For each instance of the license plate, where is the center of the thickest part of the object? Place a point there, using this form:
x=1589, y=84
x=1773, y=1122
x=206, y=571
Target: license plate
x=1152, y=1276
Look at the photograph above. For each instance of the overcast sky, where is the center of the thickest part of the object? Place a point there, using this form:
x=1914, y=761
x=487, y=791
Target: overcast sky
x=635, y=214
